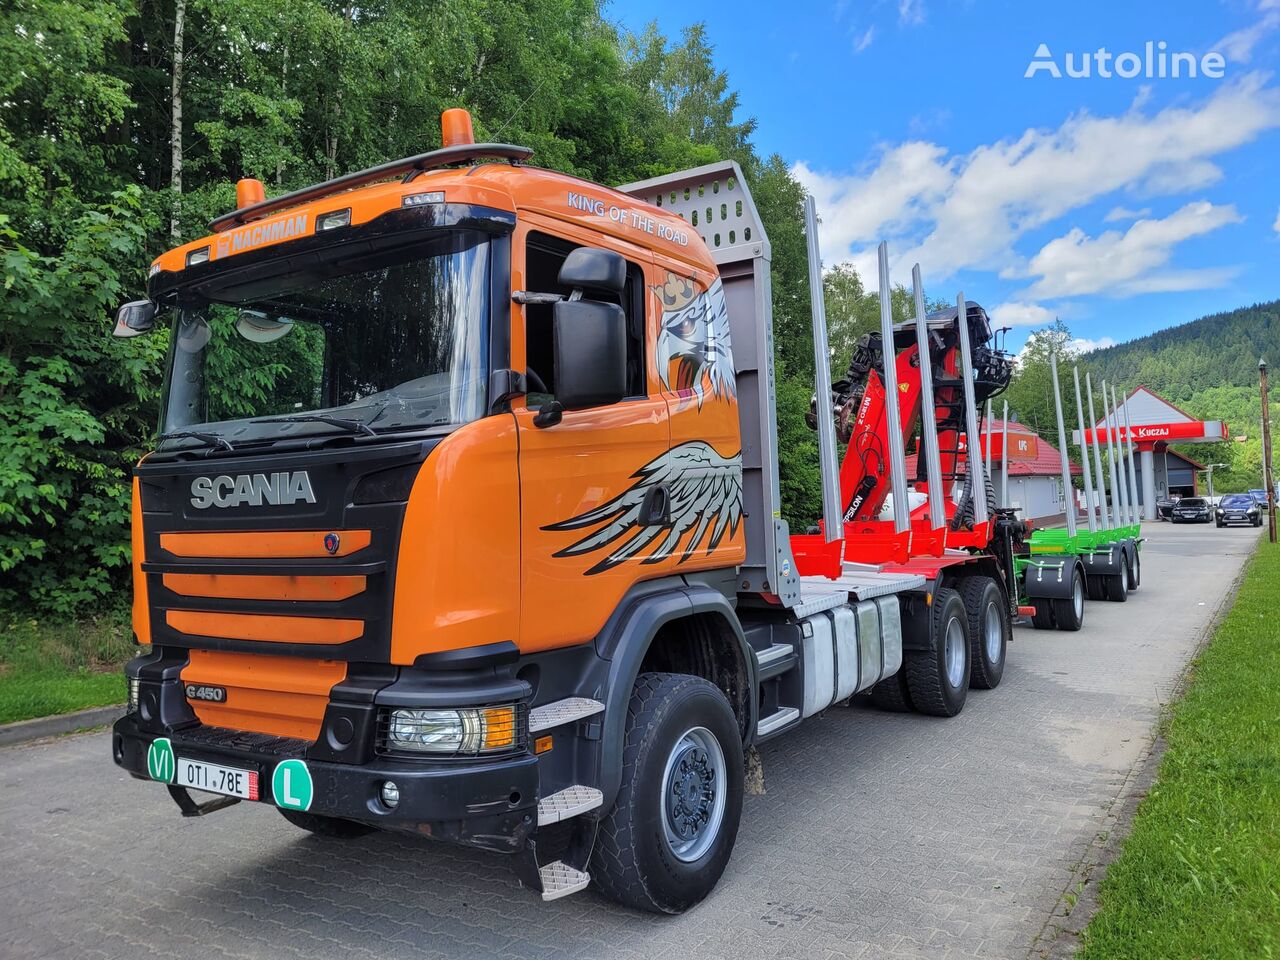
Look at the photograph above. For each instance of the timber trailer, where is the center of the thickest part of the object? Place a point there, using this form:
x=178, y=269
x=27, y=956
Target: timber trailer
x=1063, y=565
x=500, y=560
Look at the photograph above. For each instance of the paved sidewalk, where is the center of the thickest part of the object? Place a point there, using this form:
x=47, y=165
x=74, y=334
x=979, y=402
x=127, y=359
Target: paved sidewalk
x=880, y=835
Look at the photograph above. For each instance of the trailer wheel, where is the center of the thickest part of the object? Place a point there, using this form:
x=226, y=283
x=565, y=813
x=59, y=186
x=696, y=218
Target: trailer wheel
x=891, y=693
x=1135, y=570
x=938, y=678
x=1118, y=585
x=331, y=827
x=1095, y=587
x=989, y=630
x=665, y=843
x=1042, y=619
x=1069, y=612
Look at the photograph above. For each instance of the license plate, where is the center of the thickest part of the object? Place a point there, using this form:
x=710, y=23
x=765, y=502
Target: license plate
x=214, y=778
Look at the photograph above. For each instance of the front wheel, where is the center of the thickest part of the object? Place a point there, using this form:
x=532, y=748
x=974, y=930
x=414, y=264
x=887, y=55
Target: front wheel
x=989, y=629
x=938, y=677
x=668, y=838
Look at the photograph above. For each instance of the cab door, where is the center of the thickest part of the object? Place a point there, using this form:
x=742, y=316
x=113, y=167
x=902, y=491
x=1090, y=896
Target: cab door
x=590, y=508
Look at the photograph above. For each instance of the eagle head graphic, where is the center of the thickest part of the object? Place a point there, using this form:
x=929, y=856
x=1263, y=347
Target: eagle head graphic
x=694, y=355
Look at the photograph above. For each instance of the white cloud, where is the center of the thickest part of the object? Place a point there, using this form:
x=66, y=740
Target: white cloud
x=1124, y=213
x=1016, y=313
x=952, y=212
x=1238, y=46
x=910, y=12
x=1085, y=345
x=862, y=42
x=1123, y=264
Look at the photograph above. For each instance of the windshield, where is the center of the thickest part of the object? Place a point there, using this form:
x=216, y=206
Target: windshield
x=338, y=342
x=1237, y=500
x=1191, y=502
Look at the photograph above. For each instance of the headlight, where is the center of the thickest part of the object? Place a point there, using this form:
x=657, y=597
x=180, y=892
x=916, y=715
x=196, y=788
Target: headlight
x=468, y=730
x=131, y=683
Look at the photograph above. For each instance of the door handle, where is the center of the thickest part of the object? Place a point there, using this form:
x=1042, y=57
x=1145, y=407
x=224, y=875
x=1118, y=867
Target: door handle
x=655, y=508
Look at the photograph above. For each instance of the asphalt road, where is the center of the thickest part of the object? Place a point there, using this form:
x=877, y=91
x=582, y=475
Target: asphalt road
x=879, y=835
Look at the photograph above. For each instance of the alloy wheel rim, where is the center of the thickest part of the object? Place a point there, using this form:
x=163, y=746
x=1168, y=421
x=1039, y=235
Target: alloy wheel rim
x=993, y=633
x=693, y=794
x=954, y=652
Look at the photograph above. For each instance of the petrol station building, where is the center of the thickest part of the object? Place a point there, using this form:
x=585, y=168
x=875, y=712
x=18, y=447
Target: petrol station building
x=1157, y=423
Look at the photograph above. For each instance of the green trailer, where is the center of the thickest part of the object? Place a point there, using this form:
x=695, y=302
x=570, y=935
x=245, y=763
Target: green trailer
x=1062, y=566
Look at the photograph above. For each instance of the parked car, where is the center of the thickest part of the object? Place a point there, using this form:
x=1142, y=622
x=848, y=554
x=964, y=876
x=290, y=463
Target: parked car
x=1260, y=496
x=1238, y=508
x=1192, y=510
x=1164, y=508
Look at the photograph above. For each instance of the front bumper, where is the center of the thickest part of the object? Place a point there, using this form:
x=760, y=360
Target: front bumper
x=486, y=803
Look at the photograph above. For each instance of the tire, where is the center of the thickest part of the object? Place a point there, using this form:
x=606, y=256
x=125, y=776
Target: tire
x=1135, y=570
x=1069, y=613
x=938, y=678
x=639, y=859
x=1042, y=619
x=1118, y=586
x=891, y=693
x=1095, y=587
x=1220, y=524
x=989, y=630
x=331, y=827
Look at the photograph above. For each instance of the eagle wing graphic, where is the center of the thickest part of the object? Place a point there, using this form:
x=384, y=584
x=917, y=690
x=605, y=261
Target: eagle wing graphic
x=704, y=491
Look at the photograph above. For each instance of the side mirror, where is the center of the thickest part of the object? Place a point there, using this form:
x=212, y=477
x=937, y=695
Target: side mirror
x=594, y=269
x=135, y=318
x=590, y=343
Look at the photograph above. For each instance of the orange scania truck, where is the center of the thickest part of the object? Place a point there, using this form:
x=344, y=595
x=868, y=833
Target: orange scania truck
x=463, y=520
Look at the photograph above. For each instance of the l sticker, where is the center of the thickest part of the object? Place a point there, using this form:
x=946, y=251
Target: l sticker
x=291, y=785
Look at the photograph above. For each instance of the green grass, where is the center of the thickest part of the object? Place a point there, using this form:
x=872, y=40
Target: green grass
x=56, y=668
x=1199, y=876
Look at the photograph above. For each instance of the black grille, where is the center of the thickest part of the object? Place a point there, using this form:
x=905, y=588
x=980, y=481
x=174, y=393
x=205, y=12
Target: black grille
x=259, y=743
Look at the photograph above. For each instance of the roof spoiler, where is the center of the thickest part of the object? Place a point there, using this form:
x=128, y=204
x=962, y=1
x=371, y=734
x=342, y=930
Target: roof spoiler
x=409, y=167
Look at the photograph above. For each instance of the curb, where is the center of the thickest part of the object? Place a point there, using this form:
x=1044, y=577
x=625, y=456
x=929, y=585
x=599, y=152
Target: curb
x=24, y=731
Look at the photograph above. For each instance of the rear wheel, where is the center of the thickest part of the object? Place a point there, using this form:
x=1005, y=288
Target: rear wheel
x=1118, y=585
x=938, y=677
x=668, y=838
x=326, y=826
x=891, y=693
x=989, y=629
x=1135, y=570
x=1069, y=612
x=1042, y=619
x=1095, y=587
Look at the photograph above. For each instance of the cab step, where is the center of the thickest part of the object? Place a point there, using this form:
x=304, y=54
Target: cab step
x=559, y=880
x=566, y=803
x=775, y=661
x=560, y=712
x=776, y=721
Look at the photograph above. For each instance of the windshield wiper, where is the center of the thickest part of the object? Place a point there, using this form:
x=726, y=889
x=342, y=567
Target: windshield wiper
x=355, y=426
x=212, y=439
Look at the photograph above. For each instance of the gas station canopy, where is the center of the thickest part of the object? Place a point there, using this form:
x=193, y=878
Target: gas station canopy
x=1156, y=423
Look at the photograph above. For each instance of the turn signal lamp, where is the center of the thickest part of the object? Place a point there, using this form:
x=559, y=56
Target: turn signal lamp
x=248, y=192
x=455, y=128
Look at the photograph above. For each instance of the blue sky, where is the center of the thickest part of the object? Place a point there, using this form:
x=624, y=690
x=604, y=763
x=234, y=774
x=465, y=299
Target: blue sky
x=1123, y=205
